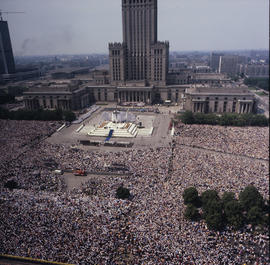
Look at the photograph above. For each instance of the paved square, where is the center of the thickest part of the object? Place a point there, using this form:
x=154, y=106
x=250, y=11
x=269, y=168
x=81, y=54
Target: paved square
x=154, y=132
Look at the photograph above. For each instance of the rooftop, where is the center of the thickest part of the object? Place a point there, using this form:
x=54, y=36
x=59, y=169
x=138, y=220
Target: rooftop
x=213, y=76
x=218, y=90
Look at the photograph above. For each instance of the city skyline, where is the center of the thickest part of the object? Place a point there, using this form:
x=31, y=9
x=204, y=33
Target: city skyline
x=80, y=28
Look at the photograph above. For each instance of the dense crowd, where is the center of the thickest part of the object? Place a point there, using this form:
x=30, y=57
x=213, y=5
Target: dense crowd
x=88, y=225
x=20, y=156
x=247, y=141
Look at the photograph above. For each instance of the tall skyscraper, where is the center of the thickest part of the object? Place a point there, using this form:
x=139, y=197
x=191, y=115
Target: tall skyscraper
x=140, y=57
x=7, y=65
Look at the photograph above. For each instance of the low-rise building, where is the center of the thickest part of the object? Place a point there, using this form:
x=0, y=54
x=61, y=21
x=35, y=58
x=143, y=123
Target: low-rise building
x=214, y=79
x=65, y=95
x=179, y=77
x=219, y=100
x=254, y=70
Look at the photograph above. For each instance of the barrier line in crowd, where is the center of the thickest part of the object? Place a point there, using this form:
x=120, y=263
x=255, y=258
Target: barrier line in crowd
x=63, y=126
x=35, y=261
x=80, y=128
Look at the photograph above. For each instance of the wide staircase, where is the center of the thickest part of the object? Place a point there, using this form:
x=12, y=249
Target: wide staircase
x=128, y=131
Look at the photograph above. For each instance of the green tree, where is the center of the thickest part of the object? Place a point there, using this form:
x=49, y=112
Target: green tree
x=228, y=119
x=215, y=221
x=122, y=193
x=199, y=118
x=212, y=119
x=190, y=196
x=251, y=197
x=69, y=116
x=209, y=195
x=212, y=206
x=191, y=213
x=227, y=197
x=262, y=82
x=259, y=120
x=11, y=184
x=234, y=215
x=187, y=117
x=6, y=98
x=255, y=216
x=4, y=114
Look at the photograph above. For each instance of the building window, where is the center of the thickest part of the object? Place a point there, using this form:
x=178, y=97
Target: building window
x=234, y=106
x=106, y=95
x=207, y=105
x=169, y=97
x=225, y=106
x=216, y=106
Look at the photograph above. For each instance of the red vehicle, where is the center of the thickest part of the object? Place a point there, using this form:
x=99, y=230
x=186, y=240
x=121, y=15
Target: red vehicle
x=79, y=172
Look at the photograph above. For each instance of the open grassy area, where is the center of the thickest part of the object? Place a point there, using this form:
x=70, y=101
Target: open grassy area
x=261, y=93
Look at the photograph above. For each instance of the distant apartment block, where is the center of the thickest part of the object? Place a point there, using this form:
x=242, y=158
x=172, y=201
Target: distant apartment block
x=228, y=64
x=255, y=70
x=214, y=61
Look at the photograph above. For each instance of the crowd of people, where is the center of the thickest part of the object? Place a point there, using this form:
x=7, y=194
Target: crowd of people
x=20, y=157
x=88, y=225
x=247, y=141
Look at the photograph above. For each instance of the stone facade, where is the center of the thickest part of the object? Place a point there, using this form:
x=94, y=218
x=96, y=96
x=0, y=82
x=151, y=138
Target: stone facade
x=64, y=95
x=220, y=100
x=212, y=79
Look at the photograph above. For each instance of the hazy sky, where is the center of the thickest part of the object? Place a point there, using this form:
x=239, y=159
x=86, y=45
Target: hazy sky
x=86, y=26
